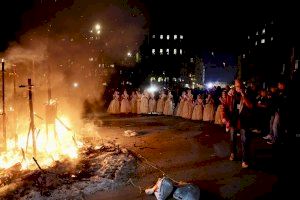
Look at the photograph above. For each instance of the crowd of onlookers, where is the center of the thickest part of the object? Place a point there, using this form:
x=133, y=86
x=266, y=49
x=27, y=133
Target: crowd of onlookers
x=241, y=109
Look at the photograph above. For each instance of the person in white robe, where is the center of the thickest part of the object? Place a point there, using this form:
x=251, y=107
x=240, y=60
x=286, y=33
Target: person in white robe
x=125, y=104
x=145, y=103
x=182, y=98
x=208, y=113
x=168, y=108
x=161, y=103
x=133, y=102
x=188, y=106
x=152, y=104
x=114, y=106
x=198, y=109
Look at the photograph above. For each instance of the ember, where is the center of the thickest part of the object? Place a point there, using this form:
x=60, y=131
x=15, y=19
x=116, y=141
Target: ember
x=99, y=168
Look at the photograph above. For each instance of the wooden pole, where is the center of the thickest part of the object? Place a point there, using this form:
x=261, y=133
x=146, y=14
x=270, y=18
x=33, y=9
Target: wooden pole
x=3, y=107
x=49, y=98
x=14, y=105
x=49, y=84
x=31, y=117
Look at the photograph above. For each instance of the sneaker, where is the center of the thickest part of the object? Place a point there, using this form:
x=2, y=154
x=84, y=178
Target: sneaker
x=256, y=131
x=270, y=142
x=149, y=191
x=268, y=137
x=232, y=157
x=245, y=165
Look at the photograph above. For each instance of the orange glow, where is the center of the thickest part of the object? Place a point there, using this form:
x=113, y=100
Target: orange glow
x=48, y=150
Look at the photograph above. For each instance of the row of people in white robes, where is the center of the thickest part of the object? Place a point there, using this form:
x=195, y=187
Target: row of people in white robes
x=145, y=103
x=141, y=103
x=189, y=108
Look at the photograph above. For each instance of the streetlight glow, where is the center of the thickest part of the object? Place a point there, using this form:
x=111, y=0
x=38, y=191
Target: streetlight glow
x=129, y=54
x=97, y=27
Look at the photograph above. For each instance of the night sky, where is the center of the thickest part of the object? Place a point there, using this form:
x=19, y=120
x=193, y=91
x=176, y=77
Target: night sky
x=212, y=25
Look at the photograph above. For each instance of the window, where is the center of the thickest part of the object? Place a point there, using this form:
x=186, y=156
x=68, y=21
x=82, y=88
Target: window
x=161, y=51
x=153, y=36
x=272, y=38
x=181, y=37
x=153, y=51
x=244, y=55
x=255, y=43
x=167, y=51
x=175, y=51
x=262, y=41
x=161, y=37
x=257, y=33
x=248, y=37
x=180, y=51
x=168, y=37
x=175, y=37
x=263, y=31
x=192, y=60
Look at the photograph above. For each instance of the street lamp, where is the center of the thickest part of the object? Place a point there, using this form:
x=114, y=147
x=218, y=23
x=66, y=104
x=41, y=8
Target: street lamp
x=97, y=28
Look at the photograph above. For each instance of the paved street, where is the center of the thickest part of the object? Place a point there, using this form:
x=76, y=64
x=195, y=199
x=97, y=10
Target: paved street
x=189, y=151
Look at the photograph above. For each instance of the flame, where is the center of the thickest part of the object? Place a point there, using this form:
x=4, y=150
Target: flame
x=58, y=145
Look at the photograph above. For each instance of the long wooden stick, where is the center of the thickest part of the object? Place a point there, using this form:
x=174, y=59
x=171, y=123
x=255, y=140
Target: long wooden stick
x=32, y=117
x=3, y=108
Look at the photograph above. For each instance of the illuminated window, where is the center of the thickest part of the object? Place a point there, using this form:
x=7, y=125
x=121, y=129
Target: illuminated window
x=263, y=31
x=244, y=56
x=161, y=37
x=181, y=37
x=175, y=37
x=257, y=33
x=168, y=37
x=272, y=38
x=255, y=43
x=263, y=41
x=248, y=37
x=192, y=60
x=167, y=51
x=180, y=51
x=153, y=51
x=161, y=51
x=175, y=51
x=153, y=36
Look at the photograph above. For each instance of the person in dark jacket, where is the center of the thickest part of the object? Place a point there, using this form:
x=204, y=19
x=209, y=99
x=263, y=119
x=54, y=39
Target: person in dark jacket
x=239, y=110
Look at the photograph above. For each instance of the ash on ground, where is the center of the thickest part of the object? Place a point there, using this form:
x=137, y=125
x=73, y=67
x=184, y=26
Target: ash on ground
x=99, y=168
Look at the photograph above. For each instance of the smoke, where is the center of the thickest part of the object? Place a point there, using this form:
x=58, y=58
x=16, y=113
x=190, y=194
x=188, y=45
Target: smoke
x=70, y=50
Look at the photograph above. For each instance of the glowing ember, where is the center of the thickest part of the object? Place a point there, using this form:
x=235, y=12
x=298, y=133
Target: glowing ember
x=48, y=149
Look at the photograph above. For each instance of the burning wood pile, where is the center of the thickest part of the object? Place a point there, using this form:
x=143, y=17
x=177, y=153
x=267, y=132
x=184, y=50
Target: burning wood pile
x=44, y=158
x=97, y=168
